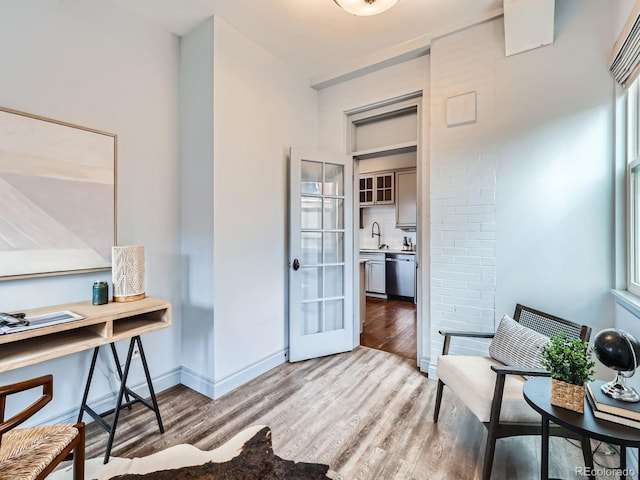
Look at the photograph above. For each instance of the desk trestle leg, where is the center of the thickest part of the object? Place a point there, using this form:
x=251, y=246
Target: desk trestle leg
x=124, y=392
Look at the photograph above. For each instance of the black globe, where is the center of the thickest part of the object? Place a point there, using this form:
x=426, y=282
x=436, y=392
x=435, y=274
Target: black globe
x=613, y=350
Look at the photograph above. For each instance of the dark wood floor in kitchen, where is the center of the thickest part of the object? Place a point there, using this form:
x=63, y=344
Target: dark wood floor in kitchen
x=390, y=326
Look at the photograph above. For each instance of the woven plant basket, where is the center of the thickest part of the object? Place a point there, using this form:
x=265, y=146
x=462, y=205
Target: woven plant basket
x=567, y=395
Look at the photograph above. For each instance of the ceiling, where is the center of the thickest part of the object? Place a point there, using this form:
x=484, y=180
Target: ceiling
x=317, y=37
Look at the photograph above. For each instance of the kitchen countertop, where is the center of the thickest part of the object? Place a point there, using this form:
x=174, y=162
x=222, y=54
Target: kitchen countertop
x=384, y=250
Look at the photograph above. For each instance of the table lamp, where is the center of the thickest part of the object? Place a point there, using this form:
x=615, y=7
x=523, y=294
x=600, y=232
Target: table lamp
x=619, y=351
x=127, y=272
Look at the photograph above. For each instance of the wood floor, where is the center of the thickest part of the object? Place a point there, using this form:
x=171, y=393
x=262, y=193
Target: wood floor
x=390, y=326
x=366, y=413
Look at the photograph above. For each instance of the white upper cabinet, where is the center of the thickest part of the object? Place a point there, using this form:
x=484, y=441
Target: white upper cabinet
x=406, y=204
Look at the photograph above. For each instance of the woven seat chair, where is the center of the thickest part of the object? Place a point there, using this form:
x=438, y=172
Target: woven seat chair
x=493, y=391
x=33, y=453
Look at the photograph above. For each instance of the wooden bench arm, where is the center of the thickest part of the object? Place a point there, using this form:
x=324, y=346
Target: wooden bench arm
x=512, y=370
x=46, y=382
x=460, y=333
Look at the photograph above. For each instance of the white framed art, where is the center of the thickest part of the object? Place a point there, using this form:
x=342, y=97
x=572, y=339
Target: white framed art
x=57, y=196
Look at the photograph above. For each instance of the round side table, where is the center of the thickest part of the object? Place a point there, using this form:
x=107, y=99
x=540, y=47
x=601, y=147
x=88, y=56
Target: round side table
x=537, y=393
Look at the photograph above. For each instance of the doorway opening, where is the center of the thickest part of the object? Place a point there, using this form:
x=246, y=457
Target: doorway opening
x=390, y=326
x=384, y=141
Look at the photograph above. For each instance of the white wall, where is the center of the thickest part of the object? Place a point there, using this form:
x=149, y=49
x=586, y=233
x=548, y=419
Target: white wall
x=94, y=64
x=333, y=102
x=196, y=179
x=621, y=11
x=260, y=108
x=538, y=163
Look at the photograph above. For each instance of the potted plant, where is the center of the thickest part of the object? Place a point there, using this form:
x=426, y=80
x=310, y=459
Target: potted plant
x=570, y=363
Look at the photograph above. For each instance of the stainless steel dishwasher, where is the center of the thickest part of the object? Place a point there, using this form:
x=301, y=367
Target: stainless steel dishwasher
x=400, y=274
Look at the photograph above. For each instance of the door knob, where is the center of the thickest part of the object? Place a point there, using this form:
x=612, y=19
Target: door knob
x=296, y=264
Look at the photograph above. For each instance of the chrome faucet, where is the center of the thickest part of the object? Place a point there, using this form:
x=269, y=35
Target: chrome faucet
x=373, y=234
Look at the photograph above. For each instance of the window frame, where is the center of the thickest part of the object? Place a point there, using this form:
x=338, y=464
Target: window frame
x=632, y=163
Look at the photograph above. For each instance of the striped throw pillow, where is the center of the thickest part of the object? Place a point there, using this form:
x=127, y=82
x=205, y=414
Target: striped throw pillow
x=516, y=345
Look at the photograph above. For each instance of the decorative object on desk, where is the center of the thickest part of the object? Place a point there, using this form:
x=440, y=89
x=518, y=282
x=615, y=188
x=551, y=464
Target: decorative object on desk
x=571, y=366
x=128, y=273
x=619, y=351
x=247, y=456
x=607, y=408
x=57, y=188
x=32, y=322
x=100, y=293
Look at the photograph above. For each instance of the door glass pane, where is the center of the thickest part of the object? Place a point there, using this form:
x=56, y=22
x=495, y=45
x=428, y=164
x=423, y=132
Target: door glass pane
x=311, y=318
x=333, y=247
x=322, y=225
x=311, y=248
x=333, y=315
x=311, y=211
x=334, y=281
x=311, y=177
x=334, y=179
x=311, y=283
x=333, y=213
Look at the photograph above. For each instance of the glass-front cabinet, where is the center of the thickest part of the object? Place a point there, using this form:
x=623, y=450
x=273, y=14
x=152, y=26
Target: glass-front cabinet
x=377, y=189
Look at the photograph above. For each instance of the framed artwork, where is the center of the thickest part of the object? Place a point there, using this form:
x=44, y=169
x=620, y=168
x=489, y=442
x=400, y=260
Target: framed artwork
x=57, y=196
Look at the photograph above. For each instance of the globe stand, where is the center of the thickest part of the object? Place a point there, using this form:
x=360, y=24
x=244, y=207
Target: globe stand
x=618, y=389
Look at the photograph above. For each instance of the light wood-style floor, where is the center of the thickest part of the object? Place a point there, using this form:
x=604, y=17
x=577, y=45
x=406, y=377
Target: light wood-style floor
x=366, y=413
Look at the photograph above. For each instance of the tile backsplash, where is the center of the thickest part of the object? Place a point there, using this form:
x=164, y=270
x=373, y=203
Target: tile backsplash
x=385, y=215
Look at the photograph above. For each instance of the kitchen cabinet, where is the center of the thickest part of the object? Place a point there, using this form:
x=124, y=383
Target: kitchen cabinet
x=406, y=200
x=375, y=281
x=377, y=189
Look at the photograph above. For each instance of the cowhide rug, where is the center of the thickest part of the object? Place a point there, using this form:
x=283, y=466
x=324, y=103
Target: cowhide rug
x=247, y=456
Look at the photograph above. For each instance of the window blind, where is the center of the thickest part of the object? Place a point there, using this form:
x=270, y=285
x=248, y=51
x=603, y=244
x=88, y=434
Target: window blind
x=625, y=60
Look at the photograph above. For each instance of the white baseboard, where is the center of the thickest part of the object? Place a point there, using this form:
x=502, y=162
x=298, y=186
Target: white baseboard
x=180, y=375
x=233, y=381
x=432, y=370
x=108, y=401
x=197, y=382
x=424, y=365
x=215, y=389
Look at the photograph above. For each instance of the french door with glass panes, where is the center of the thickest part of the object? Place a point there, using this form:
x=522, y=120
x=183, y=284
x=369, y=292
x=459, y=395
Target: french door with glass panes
x=321, y=320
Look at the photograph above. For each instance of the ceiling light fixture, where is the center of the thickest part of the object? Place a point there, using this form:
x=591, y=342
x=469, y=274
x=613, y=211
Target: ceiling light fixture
x=364, y=8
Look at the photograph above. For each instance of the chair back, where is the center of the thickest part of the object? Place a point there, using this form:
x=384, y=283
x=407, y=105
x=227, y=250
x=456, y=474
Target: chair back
x=550, y=325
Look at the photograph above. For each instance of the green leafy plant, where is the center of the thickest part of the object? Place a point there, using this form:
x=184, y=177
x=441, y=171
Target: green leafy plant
x=568, y=360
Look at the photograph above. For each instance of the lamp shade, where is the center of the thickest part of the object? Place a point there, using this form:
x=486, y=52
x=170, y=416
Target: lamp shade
x=127, y=273
x=365, y=8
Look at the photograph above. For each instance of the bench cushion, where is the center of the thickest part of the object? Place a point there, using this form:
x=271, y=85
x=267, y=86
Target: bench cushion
x=474, y=382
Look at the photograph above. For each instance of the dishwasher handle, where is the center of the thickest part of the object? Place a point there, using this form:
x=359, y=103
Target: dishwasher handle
x=398, y=260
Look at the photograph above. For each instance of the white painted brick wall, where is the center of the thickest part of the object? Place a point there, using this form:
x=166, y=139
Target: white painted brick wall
x=463, y=190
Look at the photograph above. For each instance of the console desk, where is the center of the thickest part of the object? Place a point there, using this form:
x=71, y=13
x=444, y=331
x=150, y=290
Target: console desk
x=101, y=325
